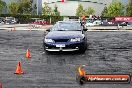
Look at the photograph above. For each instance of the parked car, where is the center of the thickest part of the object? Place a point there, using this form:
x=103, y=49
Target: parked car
x=95, y=23
x=114, y=23
x=1, y=20
x=65, y=36
x=117, y=23
x=11, y=20
x=129, y=23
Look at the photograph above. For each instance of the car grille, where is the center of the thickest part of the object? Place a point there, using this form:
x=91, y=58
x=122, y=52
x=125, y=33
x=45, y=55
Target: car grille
x=61, y=40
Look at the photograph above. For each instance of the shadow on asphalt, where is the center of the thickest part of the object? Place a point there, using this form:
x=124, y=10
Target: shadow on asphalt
x=64, y=53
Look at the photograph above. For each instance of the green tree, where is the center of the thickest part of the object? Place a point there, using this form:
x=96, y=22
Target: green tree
x=129, y=8
x=116, y=8
x=104, y=12
x=84, y=12
x=13, y=7
x=90, y=11
x=46, y=10
x=80, y=11
x=56, y=12
x=2, y=5
x=25, y=6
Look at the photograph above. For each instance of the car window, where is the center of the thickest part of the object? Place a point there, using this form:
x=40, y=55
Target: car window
x=63, y=26
x=9, y=18
x=129, y=23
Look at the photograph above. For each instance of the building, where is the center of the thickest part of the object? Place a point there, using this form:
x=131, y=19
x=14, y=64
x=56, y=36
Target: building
x=68, y=8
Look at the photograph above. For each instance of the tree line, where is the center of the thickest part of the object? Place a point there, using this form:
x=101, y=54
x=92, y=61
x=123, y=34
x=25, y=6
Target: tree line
x=80, y=11
x=26, y=7
x=17, y=7
x=116, y=8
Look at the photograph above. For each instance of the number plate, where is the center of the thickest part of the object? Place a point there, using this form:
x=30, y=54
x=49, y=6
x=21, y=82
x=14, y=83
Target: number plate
x=60, y=45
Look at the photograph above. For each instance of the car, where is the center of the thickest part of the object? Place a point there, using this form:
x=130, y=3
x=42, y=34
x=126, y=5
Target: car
x=65, y=36
x=117, y=23
x=95, y=23
x=1, y=21
x=129, y=24
x=11, y=20
x=89, y=24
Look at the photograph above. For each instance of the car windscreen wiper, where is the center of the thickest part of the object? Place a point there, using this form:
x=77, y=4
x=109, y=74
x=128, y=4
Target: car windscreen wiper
x=60, y=30
x=74, y=30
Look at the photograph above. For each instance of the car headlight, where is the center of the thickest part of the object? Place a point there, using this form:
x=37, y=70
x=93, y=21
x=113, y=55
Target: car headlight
x=49, y=40
x=76, y=40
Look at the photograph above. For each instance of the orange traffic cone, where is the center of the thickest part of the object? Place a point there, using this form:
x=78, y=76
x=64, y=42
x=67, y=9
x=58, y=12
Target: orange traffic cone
x=30, y=27
x=14, y=29
x=0, y=85
x=19, y=69
x=81, y=71
x=28, y=54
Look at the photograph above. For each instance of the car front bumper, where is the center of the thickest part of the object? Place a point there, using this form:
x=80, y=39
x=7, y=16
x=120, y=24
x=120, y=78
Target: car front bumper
x=61, y=49
x=68, y=46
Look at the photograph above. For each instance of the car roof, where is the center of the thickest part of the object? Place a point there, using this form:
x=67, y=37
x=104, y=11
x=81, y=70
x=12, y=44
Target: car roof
x=68, y=22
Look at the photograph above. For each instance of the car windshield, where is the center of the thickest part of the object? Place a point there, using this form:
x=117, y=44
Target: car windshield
x=67, y=26
x=9, y=18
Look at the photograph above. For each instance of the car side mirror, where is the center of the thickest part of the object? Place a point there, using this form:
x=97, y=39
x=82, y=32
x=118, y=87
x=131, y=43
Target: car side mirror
x=85, y=29
x=48, y=30
x=81, y=23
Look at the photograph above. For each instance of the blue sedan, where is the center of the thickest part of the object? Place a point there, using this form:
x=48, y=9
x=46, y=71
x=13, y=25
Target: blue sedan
x=65, y=36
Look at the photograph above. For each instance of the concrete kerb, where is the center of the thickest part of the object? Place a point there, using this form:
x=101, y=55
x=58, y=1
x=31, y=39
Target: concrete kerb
x=37, y=29
x=27, y=27
x=109, y=28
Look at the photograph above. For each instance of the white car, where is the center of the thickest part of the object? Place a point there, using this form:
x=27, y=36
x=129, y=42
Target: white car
x=1, y=22
x=10, y=20
x=97, y=22
x=89, y=24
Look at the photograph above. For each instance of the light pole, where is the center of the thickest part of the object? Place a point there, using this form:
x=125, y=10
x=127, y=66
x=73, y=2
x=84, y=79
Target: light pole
x=37, y=7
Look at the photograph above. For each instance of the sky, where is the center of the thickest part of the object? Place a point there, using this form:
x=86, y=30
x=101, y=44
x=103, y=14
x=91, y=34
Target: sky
x=125, y=1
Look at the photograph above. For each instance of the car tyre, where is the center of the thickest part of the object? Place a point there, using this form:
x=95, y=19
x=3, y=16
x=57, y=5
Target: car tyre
x=47, y=52
x=83, y=49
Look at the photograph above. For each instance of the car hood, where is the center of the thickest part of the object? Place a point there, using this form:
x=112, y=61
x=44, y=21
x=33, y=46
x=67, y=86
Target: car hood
x=64, y=34
x=89, y=23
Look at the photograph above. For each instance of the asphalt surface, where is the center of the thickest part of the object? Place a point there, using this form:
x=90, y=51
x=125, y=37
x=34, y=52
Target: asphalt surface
x=108, y=52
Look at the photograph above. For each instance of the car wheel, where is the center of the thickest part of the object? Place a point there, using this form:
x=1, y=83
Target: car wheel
x=83, y=49
x=47, y=52
x=44, y=47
